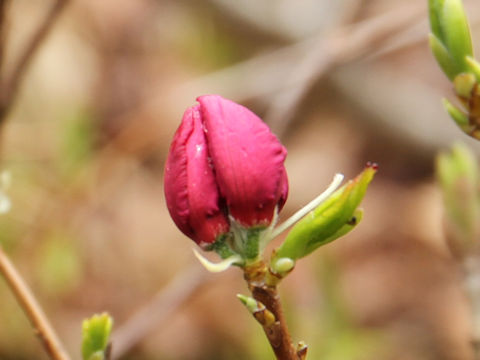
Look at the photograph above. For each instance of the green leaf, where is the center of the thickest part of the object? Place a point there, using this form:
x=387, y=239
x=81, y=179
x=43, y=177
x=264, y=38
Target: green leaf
x=434, y=7
x=474, y=66
x=96, y=333
x=330, y=220
x=451, y=42
x=344, y=230
x=458, y=116
x=442, y=56
x=456, y=32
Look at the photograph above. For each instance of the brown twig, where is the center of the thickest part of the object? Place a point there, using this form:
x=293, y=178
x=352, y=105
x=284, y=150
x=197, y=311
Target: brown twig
x=32, y=309
x=10, y=87
x=277, y=332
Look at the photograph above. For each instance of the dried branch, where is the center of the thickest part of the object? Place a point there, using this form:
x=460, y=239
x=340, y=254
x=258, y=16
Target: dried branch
x=9, y=88
x=32, y=309
x=348, y=43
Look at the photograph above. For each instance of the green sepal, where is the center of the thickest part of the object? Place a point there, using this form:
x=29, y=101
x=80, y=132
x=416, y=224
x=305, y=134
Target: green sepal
x=330, y=220
x=251, y=247
x=95, y=336
x=460, y=118
x=222, y=246
x=443, y=57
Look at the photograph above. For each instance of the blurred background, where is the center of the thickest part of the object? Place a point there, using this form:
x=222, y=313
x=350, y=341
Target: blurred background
x=340, y=82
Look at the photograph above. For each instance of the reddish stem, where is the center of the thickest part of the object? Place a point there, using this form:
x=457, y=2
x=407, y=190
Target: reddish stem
x=277, y=333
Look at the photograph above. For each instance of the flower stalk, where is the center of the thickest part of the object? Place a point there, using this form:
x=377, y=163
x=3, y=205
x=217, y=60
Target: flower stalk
x=277, y=331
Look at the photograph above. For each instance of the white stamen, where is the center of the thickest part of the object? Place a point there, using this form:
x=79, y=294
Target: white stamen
x=337, y=180
x=218, y=267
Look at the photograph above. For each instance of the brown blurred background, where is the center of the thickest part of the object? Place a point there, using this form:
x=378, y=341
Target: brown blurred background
x=341, y=82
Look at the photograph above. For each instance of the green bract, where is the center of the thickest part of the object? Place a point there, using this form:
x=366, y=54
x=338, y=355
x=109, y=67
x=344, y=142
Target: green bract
x=450, y=39
x=330, y=220
x=95, y=336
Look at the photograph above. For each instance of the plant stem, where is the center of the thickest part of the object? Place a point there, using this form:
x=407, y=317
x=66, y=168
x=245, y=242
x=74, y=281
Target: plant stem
x=10, y=86
x=277, y=333
x=32, y=309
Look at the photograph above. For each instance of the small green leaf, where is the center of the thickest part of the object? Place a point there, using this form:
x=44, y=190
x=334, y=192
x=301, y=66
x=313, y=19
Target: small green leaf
x=456, y=32
x=330, y=220
x=450, y=41
x=435, y=7
x=474, y=66
x=443, y=57
x=95, y=334
x=344, y=230
x=250, y=303
x=458, y=116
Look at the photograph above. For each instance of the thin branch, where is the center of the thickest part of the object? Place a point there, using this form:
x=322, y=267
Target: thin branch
x=32, y=309
x=267, y=75
x=166, y=302
x=277, y=334
x=9, y=89
x=344, y=45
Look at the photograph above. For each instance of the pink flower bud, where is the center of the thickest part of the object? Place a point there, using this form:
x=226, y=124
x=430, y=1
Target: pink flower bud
x=223, y=160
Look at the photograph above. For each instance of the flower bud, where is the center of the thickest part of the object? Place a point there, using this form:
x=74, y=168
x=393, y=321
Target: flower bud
x=459, y=177
x=223, y=164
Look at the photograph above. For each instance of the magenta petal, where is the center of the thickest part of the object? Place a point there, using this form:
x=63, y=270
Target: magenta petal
x=190, y=188
x=248, y=160
x=283, y=190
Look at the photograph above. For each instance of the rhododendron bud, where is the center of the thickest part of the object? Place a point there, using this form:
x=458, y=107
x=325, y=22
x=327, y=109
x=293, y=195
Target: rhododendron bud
x=224, y=163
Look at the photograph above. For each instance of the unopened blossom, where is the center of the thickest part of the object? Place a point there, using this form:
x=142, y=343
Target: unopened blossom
x=224, y=165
